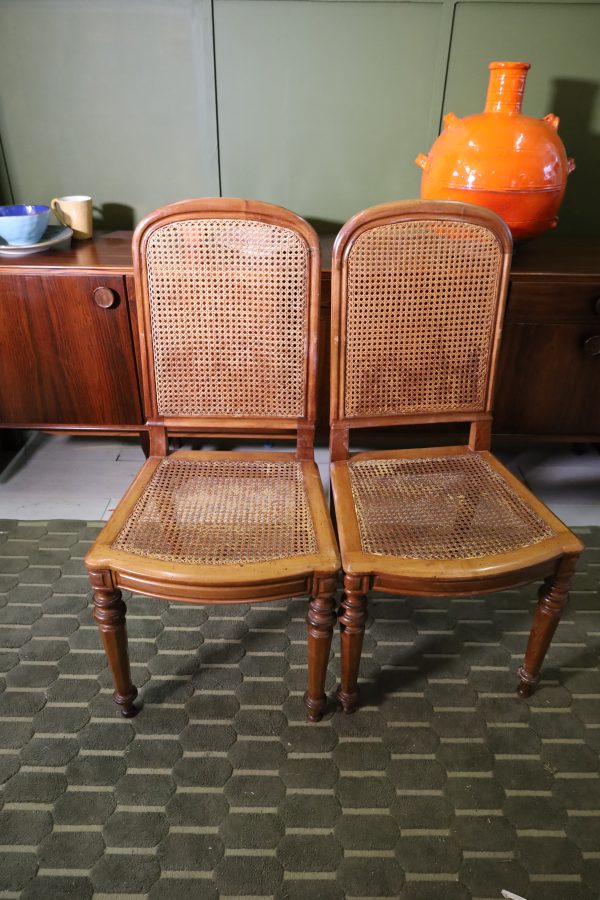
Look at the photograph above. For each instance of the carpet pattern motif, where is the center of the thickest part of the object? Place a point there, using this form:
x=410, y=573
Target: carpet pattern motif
x=443, y=785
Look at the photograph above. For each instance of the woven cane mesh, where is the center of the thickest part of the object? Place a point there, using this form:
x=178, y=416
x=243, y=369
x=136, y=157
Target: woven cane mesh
x=229, y=313
x=221, y=513
x=421, y=303
x=448, y=507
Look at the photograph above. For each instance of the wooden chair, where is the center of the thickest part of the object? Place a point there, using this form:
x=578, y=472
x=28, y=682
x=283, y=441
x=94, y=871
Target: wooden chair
x=227, y=295
x=418, y=296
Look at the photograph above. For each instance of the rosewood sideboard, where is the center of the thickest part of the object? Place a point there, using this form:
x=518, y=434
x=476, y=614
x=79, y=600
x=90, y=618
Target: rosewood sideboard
x=69, y=356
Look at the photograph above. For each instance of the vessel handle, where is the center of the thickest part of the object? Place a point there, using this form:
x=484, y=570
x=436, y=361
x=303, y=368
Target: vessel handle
x=451, y=119
x=570, y=165
x=62, y=217
x=552, y=120
x=423, y=161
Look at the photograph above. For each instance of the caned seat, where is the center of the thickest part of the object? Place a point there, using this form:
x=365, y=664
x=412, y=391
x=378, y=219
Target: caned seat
x=227, y=294
x=440, y=507
x=218, y=519
x=449, y=515
x=418, y=297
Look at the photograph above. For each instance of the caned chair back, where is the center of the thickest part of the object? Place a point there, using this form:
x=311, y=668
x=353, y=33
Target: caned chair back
x=418, y=296
x=229, y=295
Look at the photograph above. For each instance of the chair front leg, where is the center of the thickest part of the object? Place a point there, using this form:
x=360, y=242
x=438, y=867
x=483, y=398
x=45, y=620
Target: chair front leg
x=553, y=597
x=320, y=619
x=352, y=631
x=109, y=615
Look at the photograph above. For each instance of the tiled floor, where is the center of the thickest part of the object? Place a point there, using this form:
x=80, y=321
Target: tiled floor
x=59, y=477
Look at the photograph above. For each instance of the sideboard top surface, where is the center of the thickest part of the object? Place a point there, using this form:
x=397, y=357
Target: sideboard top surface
x=553, y=254
x=105, y=252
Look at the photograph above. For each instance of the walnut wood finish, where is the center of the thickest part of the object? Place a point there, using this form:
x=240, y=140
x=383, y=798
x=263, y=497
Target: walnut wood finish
x=109, y=253
x=551, y=551
x=70, y=359
x=551, y=329
x=167, y=573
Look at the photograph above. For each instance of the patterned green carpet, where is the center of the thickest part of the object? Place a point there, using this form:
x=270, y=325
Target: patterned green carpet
x=444, y=785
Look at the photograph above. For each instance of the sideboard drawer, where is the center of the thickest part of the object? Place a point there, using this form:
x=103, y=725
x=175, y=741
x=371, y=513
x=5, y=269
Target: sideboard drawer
x=553, y=301
x=66, y=351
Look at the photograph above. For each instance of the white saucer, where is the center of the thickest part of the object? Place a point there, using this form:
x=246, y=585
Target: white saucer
x=55, y=237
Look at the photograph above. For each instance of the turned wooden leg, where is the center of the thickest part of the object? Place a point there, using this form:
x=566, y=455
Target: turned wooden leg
x=553, y=597
x=353, y=616
x=320, y=619
x=109, y=615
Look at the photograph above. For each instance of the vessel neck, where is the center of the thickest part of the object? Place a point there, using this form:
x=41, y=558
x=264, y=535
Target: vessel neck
x=506, y=87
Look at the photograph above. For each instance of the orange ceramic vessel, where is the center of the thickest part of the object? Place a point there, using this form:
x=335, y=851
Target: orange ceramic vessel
x=514, y=164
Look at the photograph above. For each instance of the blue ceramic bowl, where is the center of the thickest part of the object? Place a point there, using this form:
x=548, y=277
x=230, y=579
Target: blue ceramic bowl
x=23, y=224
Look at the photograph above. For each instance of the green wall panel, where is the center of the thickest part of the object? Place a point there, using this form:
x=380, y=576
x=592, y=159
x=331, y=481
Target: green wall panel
x=323, y=106
x=561, y=41
x=113, y=98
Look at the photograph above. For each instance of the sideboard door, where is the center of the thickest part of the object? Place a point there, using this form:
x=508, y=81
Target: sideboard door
x=549, y=368
x=66, y=351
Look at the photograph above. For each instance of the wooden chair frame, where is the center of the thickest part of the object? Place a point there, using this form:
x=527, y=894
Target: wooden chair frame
x=552, y=560
x=111, y=569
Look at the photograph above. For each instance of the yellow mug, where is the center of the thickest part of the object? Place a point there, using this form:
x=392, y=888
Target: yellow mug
x=76, y=213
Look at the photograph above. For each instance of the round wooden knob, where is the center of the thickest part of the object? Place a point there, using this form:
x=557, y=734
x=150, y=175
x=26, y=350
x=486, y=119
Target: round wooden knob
x=592, y=346
x=105, y=297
